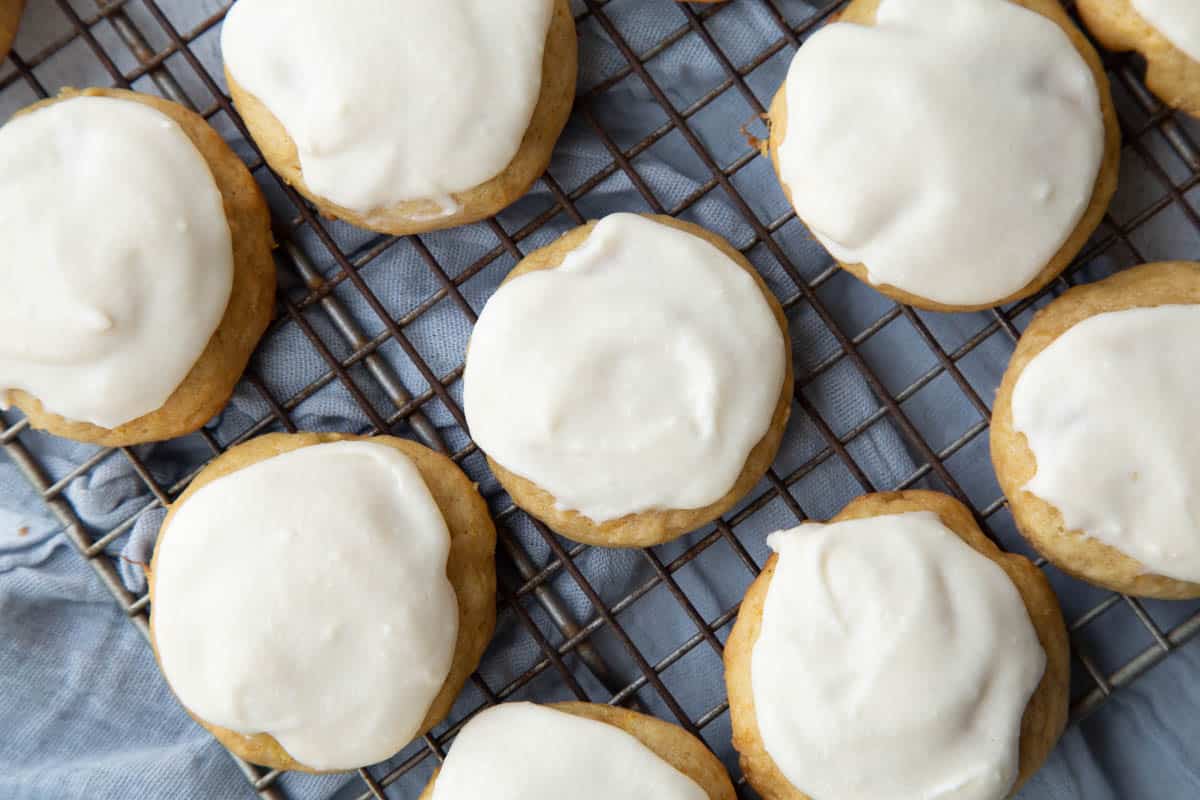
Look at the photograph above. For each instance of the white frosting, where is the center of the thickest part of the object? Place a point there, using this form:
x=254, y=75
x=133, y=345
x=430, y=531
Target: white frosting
x=951, y=148
x=608, y=380
x=1109, y=411
x=1177, y=20
x=522, y=751
x=306, y=596
x=393, y=100
x=119, y=258
x=894, y=662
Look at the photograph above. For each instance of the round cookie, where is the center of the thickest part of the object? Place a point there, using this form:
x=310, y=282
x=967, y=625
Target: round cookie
x=863, y=12
x=650, y=527
x=1171, y=74
x=669, y=742
x=211, y=380
x=10, y=18
x=470, y=568
x=1072, y=551
x=559, y=68
x=1045, y=715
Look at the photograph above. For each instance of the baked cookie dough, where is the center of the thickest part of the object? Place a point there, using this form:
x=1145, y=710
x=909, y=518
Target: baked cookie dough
x=324, y=613
x=218, y=364
x=1125, y=447
x=895, y=172
x=851, y=622
x=10, y=18
x=667, y=747
x=445, y=146
x=1172, y=72
x=638, y=393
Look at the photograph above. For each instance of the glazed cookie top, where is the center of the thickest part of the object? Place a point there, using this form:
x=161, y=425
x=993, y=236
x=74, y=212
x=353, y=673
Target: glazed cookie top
x=120, y=258
x=890, y=642
x=610, y=380
x=949, y=148
x=1177, y=20
x=523, y=751
x=393, y=101
x=306, y=596
x=1109, y=412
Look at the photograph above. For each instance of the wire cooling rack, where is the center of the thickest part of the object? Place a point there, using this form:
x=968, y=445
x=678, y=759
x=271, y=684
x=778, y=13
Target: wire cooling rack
x=138, y=43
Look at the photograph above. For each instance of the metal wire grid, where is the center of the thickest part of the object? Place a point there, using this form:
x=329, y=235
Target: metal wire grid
x=523, y=579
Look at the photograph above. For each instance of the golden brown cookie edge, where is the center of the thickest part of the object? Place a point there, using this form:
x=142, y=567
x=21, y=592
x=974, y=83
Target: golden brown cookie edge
x=1171, y=74
x=470, y=568
x=673, y=744
x=1040, y=523
x=557, y=96
x=210, y=383
x=651, y=527
x=1045, y=715
x=10, y=20
x=863, y=12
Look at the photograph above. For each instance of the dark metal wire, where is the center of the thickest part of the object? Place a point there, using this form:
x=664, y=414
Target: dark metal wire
x=536, y=582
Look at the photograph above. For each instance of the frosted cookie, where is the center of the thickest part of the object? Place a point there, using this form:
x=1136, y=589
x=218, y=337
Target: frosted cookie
x=585, y=751
x=955, y=157
x=407, y=116
x=629, y=382
x=318, y=600
x=1094, y=434
x=138, y=273
x=1165, y=32
x=895, y=652
x=10, y=18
